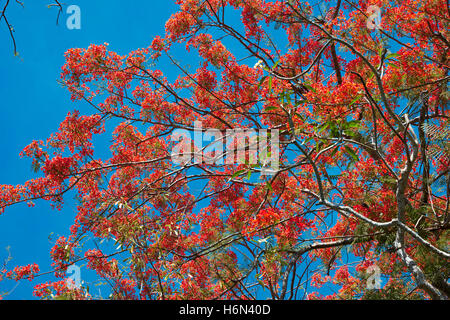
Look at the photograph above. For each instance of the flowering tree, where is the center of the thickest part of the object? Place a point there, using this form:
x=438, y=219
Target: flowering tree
x=359, y=206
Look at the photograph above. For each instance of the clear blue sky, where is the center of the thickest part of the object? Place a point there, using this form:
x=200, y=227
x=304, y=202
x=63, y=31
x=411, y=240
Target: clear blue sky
x=33, y=104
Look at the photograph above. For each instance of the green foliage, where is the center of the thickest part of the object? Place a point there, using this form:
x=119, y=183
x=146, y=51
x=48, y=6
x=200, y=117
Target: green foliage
x=439, y=141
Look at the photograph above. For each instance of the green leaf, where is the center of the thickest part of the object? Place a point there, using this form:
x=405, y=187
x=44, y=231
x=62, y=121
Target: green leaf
x=380, y=51
x=334, y=130
x=392, y=55
x=334, y=151
x=393, y=65
x=270, y=108
x=308, y=140
x=276, y=64
x=350, y=133
x=36, y=166
x=351, y=153
x=354, y=100
x=310, y=87
x=261, y=81
x=323, y=127
x=237, y=173
x=299, y=115
x=353, y=124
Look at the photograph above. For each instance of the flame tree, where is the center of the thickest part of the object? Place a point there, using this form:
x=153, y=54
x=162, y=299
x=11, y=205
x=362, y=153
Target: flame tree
x=363, y=184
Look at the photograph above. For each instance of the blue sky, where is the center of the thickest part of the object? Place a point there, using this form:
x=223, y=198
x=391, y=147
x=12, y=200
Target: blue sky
x=33, y=104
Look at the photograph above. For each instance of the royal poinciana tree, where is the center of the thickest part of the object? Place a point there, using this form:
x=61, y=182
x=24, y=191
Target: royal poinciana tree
x=361, y=106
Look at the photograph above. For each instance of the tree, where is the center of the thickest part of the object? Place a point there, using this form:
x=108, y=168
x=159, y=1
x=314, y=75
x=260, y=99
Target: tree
x=356, y=193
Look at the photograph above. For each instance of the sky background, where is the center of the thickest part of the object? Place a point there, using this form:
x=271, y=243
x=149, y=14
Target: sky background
x=33, y=104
